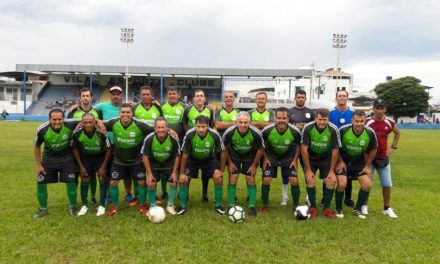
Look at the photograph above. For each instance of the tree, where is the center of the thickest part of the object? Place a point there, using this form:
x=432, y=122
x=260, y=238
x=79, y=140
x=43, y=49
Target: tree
x=404, y=96
x=362, y=101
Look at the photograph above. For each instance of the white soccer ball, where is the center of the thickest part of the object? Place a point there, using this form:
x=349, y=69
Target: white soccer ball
x=302, y=212
x=156, y=214
x=236, y=214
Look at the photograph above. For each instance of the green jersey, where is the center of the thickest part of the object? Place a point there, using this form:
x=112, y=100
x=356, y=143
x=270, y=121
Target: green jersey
x=191, y=112
x=161, y=154
x=128, y=140
x=173, y=114
x=203, y=149
x=225, y=116
x=78, y=113
x=355, y=146
x=242, y=147
x=148, y=115
x=95, y=144
x=320, y=142
x=266, y=116
x=281, y=146
x=56, y=143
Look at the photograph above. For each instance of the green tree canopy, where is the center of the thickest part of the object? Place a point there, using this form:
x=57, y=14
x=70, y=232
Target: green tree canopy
x=404, y=96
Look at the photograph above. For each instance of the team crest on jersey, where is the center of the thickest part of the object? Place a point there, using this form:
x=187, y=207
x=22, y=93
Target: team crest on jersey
x=40, y=178
x=97, y=142
x=71, y=176
x=362, y=142
x=307, y=115
x=324, y=138
x=266, y=118
x=178, y=111
x=248, y=142
x=153, y=115
x=234, y=118
x=207, y=144
x=132, y=134
x=65, y=137
x=167, y=148
x=287, y=141
x=115, y=175
x=342, y=120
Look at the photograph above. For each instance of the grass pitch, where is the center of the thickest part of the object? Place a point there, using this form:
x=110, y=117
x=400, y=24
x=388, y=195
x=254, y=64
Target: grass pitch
x=202, y=236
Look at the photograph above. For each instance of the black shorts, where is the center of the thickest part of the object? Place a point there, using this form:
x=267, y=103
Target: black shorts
x=92, y=163
x=65, y=171
x=286, y=172
x=158, y=172
x=192, y=169
x=324, y=169
x=242, y=167
x=135, y=171
x=351, y=174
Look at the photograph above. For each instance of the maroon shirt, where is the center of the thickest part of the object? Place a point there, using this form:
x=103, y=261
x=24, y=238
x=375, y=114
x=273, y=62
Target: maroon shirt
x=382, y=129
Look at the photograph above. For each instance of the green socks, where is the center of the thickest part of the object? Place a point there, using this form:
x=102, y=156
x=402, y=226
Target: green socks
x=328, y=196
x=265, y=189
x=142, y=194
x=71, y=194
x=294, y=190
x=362, y=198
x=102, y=191
x=339, y=197
x=311, y=192
x=42, y=196
x=84, y=191
x=252, y=192
x=171, y=195
x=114, y=194
x=151, y=196
x=135, y=189
x=232, y=190
x=218, y=190
x=183, y=195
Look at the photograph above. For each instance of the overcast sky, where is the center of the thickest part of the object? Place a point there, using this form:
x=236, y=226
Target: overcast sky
x=385, y=37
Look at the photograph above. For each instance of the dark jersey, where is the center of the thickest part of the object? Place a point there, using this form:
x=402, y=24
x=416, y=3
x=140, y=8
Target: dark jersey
x=191, y=112
x=225, y=116
x=79, y=112
x=355, y=146
x=148, y=115
x=202, y=149
x=161, y=155
x=300, y=117
x=281, y=146
x=94, y=144
x=56, y=143
x=128, y=140
x=173, y=114
x=242, y=147
x=320, y=142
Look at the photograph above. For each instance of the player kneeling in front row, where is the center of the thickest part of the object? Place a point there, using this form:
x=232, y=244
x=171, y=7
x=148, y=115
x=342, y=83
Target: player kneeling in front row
x=92, y=152
x=282, y=147
x=161, y=156
x=202, y=149
x=359, y=147
x=244, y=146
x=57, y=163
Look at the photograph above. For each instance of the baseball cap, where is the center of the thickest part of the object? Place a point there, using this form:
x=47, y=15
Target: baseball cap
x=116, y=88
x=379, y=102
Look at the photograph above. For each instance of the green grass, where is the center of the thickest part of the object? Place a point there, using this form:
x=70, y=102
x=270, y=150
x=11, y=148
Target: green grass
x=202, y=236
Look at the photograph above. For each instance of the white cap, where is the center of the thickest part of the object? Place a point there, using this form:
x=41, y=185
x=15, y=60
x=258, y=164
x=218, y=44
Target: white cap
x=116, y=88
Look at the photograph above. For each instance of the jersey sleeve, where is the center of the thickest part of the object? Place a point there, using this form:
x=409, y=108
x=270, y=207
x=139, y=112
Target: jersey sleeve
x=296, y=134
x=185, y=115
x=258, y=139
x=186, y=147
x=335, y=138
x=146, y=146
x=144, y=127
x=305, y=138
x=110, y=123
x=176, y=147
x=211, y=120
x=99, y=114
x=70, y=114
x=271, y=115
x=219, y=147
x=373, y=140
x=250, y=114
x=74, y=142
x=71, y=123
x=104, y=138
x=39, y=135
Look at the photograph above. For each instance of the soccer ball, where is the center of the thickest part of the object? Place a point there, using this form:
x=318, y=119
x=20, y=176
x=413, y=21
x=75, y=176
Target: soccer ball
x=236, y=214
x=156, y=214
x=302, y=212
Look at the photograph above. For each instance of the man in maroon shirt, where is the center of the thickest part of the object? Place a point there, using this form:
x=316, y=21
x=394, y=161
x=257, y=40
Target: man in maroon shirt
x=383, y=126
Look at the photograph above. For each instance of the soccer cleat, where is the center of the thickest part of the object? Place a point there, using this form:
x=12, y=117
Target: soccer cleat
x=339, y=213
x=264, y=210
x=219, y=209
x=307, y=201
x=164, y=196
x=349, y=203
x=204, y=198
x=143, y=210
x=390, y=213
x=40, y=213
x=364, y=209
x=284, y=200
x=93, y=202
x=134, y=202
x=108, y=199
x=252, y=211
x=128, y=197
x=313, y=213
x=182, y=211
x=171, y=210
x=101, y=211
x=359, y=214
x=321, y=204
x=83, y=210
x=73, y=211
x=328, y=213
x=113, y=210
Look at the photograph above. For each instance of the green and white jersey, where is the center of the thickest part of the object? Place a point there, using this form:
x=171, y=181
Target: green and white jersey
x=78, y=113
x=243, y=147
x=95, y=144
x=202, y=149
x=191, y=112
x=161, y=155
x=173, y=114
x=281, y=146
x=225, y=116
x=320, y=142
x=147, y=115
x=56, y=143
x=128, y=140
x=266, y=116
x=355, y=146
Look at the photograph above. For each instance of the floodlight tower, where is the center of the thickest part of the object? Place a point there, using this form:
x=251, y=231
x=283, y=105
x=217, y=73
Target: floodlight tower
x=339, y=41
x=127, y=37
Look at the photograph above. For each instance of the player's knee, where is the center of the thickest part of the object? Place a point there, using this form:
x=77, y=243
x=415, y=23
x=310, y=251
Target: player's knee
x=151, y=185
x=250, y=180
x=293, y=181
x=267, y=180
x=183, y=180
x=114, y=183
x=233, y=179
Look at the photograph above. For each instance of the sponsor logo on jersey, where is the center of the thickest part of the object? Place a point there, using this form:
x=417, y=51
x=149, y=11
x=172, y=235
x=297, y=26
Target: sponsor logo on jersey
x=207, y=144
x=287, y=141
x=65, y=137
x=178, y=111
x=266, y=118
x=132, y=134
x=167, y=148
x=324, y=138
x=362, y=142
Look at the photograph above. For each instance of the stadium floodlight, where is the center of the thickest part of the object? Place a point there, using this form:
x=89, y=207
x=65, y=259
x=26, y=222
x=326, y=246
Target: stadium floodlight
x=339, y=41
x=127, y=37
